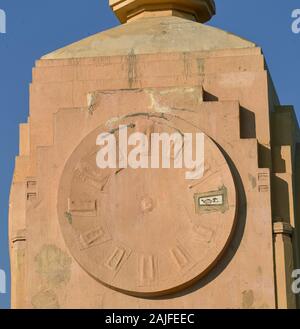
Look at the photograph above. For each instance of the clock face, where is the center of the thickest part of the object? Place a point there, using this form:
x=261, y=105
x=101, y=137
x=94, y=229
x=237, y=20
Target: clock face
x=146, y=232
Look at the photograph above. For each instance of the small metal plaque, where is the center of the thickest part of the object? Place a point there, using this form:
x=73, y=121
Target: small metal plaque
x=211, y=201
x=215, y=200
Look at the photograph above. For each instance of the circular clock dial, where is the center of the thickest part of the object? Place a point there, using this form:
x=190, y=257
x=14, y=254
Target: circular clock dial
x=146, y=232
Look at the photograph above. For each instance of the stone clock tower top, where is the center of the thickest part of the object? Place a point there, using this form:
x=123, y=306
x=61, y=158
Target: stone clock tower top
x=102, y=213
x=199, y=10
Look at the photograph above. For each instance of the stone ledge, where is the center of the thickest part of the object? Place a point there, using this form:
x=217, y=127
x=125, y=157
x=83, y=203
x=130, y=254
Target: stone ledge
x=199, y=10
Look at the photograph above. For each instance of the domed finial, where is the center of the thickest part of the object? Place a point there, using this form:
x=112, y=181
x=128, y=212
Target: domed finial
x=198, y=10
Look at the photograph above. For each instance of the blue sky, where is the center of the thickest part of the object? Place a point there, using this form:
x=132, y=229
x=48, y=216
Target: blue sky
x=36, y=27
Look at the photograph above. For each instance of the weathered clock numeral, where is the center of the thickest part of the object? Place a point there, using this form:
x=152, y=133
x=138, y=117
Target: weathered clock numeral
x=115, y=259
x=180, y=256
x=88, y=179
x=147, y=270
x=82, y=207
x=203, y=234
x=93, y=237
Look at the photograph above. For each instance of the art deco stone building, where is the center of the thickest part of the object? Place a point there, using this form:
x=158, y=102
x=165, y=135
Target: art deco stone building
x=84, y=237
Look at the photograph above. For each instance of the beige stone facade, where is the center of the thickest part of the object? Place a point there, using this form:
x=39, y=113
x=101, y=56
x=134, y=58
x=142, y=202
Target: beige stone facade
x=81, y=237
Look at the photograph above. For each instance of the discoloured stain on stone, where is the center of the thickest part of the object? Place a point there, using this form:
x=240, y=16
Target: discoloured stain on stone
x=174, y=99
x=156, y=106
x=187, y=64
x=200, y=65
x=69, y=218
x=45, y=300
x=248, y=299
x=259, y=270
x=132, y=68
x=252, y=180
x=91, y=101
x=53, y=265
